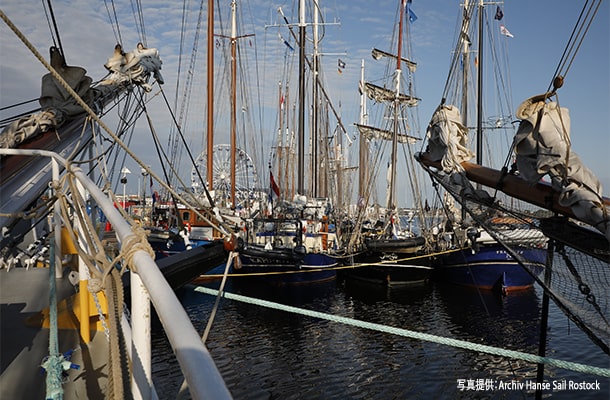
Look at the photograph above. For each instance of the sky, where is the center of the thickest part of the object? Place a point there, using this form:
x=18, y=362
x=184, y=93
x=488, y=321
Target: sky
x=540, y=32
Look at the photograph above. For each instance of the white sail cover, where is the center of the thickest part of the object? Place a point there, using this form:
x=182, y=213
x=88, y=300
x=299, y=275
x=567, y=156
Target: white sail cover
x=448, y=139
x=542, y=145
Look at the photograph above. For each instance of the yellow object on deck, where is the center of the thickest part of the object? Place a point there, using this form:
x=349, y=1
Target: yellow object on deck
x=69, y=313
x=67, y=245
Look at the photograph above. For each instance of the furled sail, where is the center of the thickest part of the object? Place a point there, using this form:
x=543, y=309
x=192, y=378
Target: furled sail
x=57, y=104
x=377, y=54
x=542, y=147
x=370, y=132
x=380, y=95
x=448, y=139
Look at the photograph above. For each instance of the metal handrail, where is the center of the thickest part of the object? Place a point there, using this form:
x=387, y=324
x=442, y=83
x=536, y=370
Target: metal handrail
x=201, y=374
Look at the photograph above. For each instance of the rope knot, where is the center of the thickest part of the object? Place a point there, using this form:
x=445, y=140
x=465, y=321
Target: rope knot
x=95, y=285
x=139, y=241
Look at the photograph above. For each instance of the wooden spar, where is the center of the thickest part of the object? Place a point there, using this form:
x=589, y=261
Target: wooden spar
x=480, y=90
x=540, y=194
x=391, y=205
x=364, y=147
x=210, y=77
x=233, y=100
x=301, y=119
x=315, y=119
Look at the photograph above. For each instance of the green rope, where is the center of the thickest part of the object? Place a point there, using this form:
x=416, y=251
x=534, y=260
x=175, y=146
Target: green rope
x=53, y=364
x=416, y=335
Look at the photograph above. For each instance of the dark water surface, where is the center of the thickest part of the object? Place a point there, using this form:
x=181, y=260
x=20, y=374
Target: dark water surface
x=269, y=354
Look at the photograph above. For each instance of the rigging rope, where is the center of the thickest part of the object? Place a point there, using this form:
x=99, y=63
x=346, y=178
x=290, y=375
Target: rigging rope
x=54, y=30
x=114, y=22
x=579, y=32
x=219, y=226
x=462, y=344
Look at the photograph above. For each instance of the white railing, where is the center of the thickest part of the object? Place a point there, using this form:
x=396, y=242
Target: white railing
x=149, y=284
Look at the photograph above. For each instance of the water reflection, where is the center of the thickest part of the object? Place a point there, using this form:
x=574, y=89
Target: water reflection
x=270, y=354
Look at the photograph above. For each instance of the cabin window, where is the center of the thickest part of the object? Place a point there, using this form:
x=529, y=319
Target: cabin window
x=186, y=216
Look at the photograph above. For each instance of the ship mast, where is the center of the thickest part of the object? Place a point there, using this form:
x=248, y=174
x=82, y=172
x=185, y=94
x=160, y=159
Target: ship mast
x=301, y=118
x=391, y=205
x=480, y=89
x=363, y=144
x=210, y=77
x=233, y=98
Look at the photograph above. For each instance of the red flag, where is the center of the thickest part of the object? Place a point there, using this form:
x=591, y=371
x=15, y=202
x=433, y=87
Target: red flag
x=274, y=187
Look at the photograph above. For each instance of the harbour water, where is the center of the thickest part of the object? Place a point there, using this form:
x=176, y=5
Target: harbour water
x=264, y=353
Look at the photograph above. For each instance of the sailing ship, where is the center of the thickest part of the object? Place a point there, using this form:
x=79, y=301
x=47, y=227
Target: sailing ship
x=572, y=211
x=291, y=240
x=484, y=263
x=387, y=252
x=61, y=290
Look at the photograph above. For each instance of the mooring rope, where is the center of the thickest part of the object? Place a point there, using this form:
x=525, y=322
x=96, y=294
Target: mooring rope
x=53, y=363
x=462, y=344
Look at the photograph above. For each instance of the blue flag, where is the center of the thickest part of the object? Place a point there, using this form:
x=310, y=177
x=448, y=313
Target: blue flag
x=412, y=16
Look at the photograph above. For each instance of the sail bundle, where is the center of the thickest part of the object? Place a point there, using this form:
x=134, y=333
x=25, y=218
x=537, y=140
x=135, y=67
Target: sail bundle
x=381, y=95
x=370, y=132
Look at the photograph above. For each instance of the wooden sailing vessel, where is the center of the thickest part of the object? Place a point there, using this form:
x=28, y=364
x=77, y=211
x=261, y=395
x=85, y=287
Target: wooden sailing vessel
x=573, y=212
x=485, y=264
x=291, y=241
x=389, y=254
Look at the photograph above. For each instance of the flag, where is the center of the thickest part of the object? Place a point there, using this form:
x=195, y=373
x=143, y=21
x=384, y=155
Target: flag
x=499, y=14
x=412, y=16
x=285, y=42
x=274, y=187
x=341, y=63
x=505, y=31
x=155, y=197
x=339, y=71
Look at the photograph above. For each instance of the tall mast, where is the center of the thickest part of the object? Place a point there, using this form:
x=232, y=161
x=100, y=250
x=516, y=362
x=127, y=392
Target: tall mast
x=301, y=122
x=280, y=141
x=364, y=147
x=233, y=99
x=210, y=122
x=392, y=195
x=465, y=63
x=480, y=89
x=315, y=120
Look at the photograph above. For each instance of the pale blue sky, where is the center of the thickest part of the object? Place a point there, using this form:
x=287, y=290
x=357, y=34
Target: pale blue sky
x=541, y=30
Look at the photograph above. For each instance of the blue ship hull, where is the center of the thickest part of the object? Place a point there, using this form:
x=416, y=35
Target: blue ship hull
x=491, y=268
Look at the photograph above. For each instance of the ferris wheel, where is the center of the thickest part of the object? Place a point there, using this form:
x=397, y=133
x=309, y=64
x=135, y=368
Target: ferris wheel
x=246, y=178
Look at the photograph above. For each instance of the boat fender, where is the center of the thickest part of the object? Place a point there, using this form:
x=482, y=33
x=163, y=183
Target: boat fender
x=473, y=234
x=230, y=243
x=237, y=263
x=301, y=250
